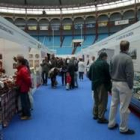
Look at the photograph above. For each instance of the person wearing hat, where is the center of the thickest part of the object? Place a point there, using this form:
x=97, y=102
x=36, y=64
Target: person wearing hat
x=101, y=84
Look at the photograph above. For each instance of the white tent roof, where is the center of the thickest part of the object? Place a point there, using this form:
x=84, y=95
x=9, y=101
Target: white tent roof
x=10, y=32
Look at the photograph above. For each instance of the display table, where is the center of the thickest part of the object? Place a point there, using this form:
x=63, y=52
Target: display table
x=135, y=102
x=8, y=106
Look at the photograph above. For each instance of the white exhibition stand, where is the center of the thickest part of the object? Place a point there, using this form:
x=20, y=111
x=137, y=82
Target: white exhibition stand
x=112, y=42
x=13, y=42
x=8, y=50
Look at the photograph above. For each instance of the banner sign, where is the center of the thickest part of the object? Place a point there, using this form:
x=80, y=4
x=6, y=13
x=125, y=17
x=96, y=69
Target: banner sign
x=90, y=25
x=102, y=24
x=21, y=27
x=78, y=26
x=67, y=27
x=55, y=27
x=129, y=34
x=43, y=27
x=122, y=22
x=32, y=28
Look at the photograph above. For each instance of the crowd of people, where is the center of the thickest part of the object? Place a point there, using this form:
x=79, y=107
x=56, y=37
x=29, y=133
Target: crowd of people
x=115, y=78
x=67, y=68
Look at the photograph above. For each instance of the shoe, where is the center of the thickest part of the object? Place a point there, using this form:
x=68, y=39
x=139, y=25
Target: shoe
x=95, y=117
x=114, y=127
x=128, y=132
x=102, y=121
x=25, y=118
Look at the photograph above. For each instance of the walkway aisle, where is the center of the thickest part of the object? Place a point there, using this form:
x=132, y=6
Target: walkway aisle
x=65, y=115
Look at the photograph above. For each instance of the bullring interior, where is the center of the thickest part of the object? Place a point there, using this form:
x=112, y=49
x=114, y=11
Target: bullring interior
x=65, y=28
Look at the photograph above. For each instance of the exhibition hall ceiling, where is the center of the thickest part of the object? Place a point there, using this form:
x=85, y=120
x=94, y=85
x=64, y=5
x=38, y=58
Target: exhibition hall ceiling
x=52, y=7
x=53, y=3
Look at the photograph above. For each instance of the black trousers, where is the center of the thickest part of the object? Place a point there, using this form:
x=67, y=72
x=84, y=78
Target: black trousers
x=25, y=103
x=53, y=81
x=45, y=77
x=81, y=75
x=63, y=74
x=72, y=81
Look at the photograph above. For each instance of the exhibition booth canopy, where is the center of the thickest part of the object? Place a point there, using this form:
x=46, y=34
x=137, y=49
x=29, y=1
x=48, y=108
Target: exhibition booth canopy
x=13, y=42
x=14, y=34
x=130, y=33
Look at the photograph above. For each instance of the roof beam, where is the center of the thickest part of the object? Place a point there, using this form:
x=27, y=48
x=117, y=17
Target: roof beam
x=60, y=2
x=25, y=2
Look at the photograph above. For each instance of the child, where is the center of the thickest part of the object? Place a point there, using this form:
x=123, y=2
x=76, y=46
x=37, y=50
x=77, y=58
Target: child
x=68, y=80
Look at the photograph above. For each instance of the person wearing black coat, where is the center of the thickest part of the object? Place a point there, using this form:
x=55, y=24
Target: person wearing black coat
x=63, y=73
x=71, y=70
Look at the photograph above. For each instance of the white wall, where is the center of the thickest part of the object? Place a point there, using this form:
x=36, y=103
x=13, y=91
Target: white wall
x=10, y=49
x=34, y=52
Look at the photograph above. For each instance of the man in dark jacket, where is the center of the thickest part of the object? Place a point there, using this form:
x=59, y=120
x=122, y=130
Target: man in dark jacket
x=45, y=69
x=71, y=70
x=53, y=62
x=101, y=84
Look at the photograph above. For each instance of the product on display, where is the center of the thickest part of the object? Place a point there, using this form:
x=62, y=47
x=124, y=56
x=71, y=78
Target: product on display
x=7, y=97
x=136, y=89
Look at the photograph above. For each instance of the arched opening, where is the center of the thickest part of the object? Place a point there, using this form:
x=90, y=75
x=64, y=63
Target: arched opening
x=21, y=23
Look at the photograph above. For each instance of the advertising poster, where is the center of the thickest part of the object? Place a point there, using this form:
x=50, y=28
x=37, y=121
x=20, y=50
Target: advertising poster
x=31, y=63
x=30, y=56
x=36, y=62
x=37, y=56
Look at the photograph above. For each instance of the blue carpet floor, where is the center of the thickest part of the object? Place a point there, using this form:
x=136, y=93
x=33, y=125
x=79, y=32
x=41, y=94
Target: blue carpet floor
x=65, y=115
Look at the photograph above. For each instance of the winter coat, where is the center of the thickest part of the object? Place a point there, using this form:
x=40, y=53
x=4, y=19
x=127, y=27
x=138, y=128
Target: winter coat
x=23, y=79
x=99, y=74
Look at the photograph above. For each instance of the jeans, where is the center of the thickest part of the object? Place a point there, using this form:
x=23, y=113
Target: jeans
x=63, y=74
x=25, y=103
x=81, y=75
x=45, y=77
